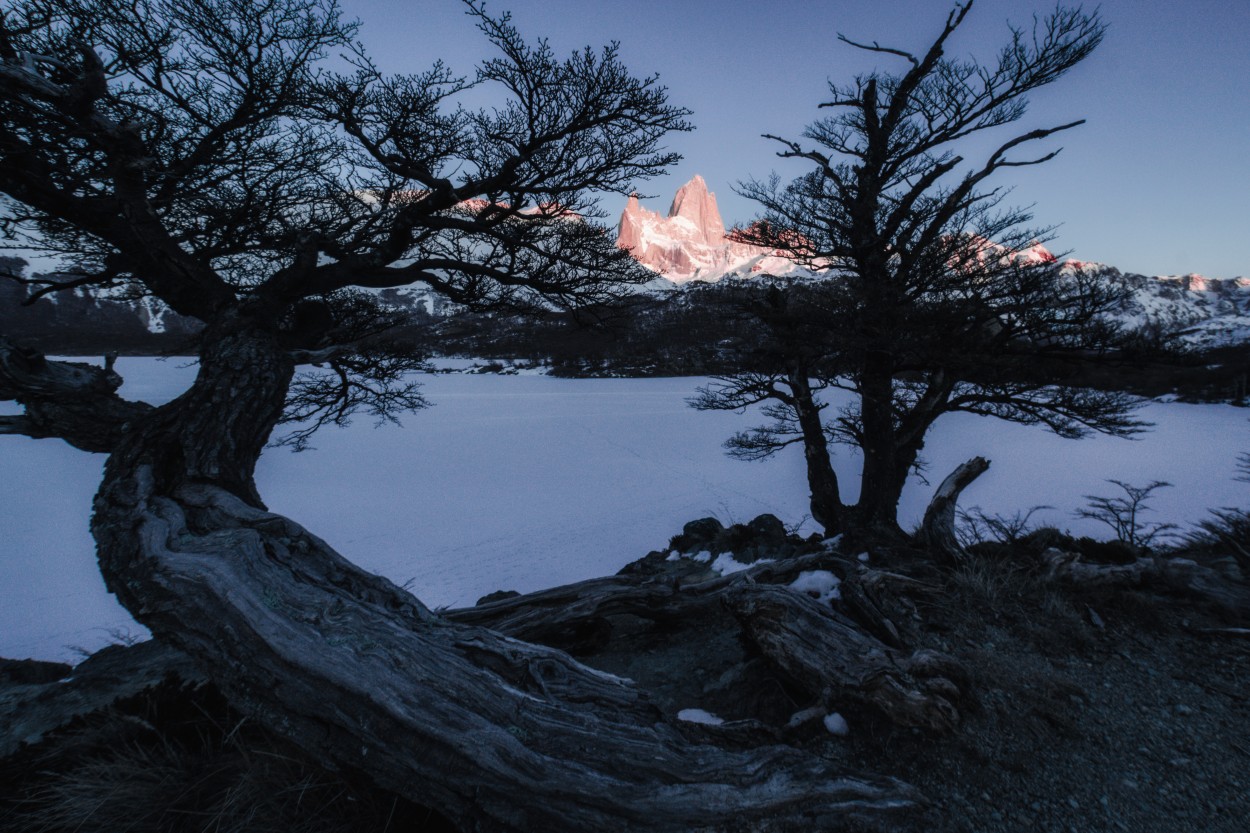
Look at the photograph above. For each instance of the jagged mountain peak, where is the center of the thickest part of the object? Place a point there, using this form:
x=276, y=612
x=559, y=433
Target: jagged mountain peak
x=696, y=204
x=690, y=243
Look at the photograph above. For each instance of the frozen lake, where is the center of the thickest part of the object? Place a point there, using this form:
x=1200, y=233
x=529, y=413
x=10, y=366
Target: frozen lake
x=523, y=482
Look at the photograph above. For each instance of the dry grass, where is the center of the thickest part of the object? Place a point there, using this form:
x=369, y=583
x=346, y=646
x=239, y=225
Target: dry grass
x=154, y=765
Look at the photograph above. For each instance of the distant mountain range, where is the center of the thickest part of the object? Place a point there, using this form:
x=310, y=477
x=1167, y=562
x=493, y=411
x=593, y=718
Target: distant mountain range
x=82, y=320
x=691, y=244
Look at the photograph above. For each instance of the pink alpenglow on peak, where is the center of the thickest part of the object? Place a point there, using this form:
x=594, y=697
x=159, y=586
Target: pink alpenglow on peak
x=988, y=250
x=695, y=203
x=690, y=243
x=1037, y=253
x=1198, y=283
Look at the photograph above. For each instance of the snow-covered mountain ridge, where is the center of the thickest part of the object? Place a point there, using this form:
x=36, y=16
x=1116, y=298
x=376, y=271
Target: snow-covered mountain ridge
x=1207, y=312
x=690, y=244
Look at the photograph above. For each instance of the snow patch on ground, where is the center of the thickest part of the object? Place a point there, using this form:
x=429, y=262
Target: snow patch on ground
x=699, y=716
x=821, y=585
x=725, y=564
x=836, y=724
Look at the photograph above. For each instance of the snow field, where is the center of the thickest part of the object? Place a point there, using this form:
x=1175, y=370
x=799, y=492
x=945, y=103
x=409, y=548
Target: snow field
x=525, y=482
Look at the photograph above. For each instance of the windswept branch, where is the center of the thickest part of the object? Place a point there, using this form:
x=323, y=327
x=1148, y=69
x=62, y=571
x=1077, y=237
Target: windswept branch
x=71, y=401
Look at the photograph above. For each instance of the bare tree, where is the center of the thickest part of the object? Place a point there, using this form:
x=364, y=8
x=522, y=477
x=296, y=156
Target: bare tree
x=932, y=298
x=199, y=151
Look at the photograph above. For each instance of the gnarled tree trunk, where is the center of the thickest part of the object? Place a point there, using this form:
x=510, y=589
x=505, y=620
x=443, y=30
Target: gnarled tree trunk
x=495, y=733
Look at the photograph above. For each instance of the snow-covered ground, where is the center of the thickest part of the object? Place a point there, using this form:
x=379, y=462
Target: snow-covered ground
x=523, y=482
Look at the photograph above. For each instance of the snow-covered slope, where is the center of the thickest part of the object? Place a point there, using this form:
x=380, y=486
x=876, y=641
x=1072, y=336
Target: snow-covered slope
x=1207, y=312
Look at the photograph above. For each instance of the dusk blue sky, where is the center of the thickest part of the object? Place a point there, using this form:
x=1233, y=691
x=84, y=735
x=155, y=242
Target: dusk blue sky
x=1155, y=182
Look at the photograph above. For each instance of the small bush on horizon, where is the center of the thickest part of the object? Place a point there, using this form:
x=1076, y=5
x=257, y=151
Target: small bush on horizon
x=1122, y=513
x=976, y=526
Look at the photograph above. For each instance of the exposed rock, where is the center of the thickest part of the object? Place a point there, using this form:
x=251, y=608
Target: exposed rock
x=693, y=202
x=700, y=534
x=767, y=527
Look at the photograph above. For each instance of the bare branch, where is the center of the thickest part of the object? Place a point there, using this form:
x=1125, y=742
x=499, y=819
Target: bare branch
x=876, y=47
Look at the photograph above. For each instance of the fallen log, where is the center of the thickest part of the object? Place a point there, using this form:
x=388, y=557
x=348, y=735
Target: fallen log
x=851, y=656
x=828, y=655
x=545, y=614
x=28, y=712
x=1170, y=574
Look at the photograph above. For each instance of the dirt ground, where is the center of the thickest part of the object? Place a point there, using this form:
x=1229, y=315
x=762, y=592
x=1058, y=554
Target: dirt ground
x=1092, y=712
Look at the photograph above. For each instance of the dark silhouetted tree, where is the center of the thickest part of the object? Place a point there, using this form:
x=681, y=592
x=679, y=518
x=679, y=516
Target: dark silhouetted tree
x=932, y=297
x=201, y=152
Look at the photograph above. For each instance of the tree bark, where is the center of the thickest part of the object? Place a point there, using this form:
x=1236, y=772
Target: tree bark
x=880, y=486
x=67, y=400
x=495, y=733
x=822, y=481
x=938, y=528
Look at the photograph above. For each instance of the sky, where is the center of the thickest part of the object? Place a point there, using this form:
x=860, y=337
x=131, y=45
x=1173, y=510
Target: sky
x=1155, y=182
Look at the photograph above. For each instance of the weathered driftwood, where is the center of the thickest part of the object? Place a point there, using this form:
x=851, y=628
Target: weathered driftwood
x=496, y=733
x=938, y=527
x=1176, y=575
x=826, y=653
x=562, y=609
x=840, y=657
